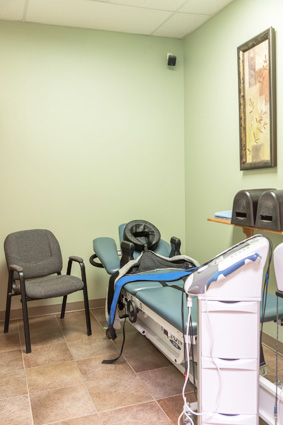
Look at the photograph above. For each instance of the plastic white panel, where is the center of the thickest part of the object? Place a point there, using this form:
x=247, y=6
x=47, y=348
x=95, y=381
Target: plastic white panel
x=246, y=283
x=218, y=419
x=239, y=387
x=233, y=334
x=234, y=365
x=230, y=307
x=267, y=394
x=278, y=265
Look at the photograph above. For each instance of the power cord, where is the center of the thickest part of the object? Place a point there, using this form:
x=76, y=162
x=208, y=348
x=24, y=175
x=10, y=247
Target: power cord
x=187, y=412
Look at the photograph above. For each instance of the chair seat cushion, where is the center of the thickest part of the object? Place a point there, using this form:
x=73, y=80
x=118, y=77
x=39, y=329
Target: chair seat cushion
x=52, y=286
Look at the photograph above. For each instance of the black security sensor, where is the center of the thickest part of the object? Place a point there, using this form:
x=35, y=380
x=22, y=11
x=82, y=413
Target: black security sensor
x=171, y=59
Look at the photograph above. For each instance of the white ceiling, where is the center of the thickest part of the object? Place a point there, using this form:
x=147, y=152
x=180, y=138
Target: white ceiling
x=163, y=18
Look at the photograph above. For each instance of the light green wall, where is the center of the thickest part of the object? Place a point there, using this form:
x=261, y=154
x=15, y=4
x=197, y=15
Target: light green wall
x=93, y=127
x=212, y=169
x=92, y=136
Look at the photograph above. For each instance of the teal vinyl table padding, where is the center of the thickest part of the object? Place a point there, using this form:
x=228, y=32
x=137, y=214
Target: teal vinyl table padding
x=167, y=303
x=106, y=251
x=134, y=287
x=271, y=306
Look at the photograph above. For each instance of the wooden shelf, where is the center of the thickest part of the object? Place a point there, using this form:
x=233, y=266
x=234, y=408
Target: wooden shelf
x=248, y=231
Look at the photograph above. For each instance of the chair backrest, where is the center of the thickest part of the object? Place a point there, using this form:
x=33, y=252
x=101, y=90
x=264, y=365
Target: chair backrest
x=36, y=251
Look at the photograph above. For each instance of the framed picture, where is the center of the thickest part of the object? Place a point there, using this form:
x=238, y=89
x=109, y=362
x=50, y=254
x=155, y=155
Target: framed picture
x=257, y=101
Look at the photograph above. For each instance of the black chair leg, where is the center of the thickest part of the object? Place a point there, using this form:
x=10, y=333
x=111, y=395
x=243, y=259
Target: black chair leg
x=87, y=315
x=7, y=314
x=26, y=325
x=8, y=303
x=25, y=314
x=63, y=309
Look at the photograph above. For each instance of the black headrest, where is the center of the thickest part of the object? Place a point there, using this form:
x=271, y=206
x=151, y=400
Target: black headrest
x=142, y=234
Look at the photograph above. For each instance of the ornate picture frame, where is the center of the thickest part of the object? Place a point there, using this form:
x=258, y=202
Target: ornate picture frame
x=257, y=101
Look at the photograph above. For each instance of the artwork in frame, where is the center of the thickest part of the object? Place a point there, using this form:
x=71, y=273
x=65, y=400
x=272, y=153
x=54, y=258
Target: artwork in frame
x=257, y=101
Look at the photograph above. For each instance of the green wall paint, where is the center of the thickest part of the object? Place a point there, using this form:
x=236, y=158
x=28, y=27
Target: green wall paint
x=212, y=170
x=94, y=128
x=92, y=136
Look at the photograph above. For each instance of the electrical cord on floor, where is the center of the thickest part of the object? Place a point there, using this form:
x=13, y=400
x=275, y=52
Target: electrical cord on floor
x=122, y=347
x=191, y=336
x=187, y=412
x=192, y=354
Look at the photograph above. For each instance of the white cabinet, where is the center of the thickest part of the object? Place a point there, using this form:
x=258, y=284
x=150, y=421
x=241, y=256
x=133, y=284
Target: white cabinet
x=232, y=329
x=218, y=419
x=228, y=361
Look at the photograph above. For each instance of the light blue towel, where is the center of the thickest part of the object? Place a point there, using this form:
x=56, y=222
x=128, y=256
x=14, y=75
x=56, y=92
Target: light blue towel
x=226, y=215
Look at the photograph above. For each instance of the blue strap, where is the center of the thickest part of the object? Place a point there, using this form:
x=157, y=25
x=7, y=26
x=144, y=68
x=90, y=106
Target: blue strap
x=166, y=277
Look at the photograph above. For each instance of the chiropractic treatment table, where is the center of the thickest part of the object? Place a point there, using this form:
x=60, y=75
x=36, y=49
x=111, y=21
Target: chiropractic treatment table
x=158, y=309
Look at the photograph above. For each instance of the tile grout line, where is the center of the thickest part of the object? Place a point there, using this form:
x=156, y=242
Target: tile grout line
x=83, y=383
x=127, y=406
x=130, y=405
x=66, y=341
x=59, y=387
x=24, y=365
x=163, y=411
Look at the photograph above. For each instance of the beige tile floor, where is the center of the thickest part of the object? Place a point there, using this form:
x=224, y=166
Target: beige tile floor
x=62, y=381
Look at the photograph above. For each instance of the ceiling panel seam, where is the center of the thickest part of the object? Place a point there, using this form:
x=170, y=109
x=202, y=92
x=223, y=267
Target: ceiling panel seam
x=131, y=6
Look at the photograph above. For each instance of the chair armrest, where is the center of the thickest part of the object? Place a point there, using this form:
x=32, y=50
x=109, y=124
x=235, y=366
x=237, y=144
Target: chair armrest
x=15, y=268
x=75, y=258
x=106, y=251
x=82, y=266
x=16, y=273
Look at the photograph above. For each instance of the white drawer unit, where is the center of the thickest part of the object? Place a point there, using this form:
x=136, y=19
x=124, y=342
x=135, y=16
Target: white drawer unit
x=238, y=384
x=229, y=292
x=218, y=419
x=228, y=361
x=235, y=329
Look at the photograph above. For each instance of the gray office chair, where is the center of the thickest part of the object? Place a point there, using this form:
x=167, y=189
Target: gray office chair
x=32, y=256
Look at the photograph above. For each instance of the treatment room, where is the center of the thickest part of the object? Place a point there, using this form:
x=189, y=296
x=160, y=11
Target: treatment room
x=134, y=111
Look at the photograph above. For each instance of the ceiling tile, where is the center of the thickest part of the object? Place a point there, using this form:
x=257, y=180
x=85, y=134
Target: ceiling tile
x=12, y=10
x=170, y=5
x=164, y=18
x=180, y=24
x=94, y=14
x=204, y=6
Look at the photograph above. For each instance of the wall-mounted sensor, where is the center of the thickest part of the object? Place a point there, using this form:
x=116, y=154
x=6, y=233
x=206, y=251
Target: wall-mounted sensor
x=171, y=59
